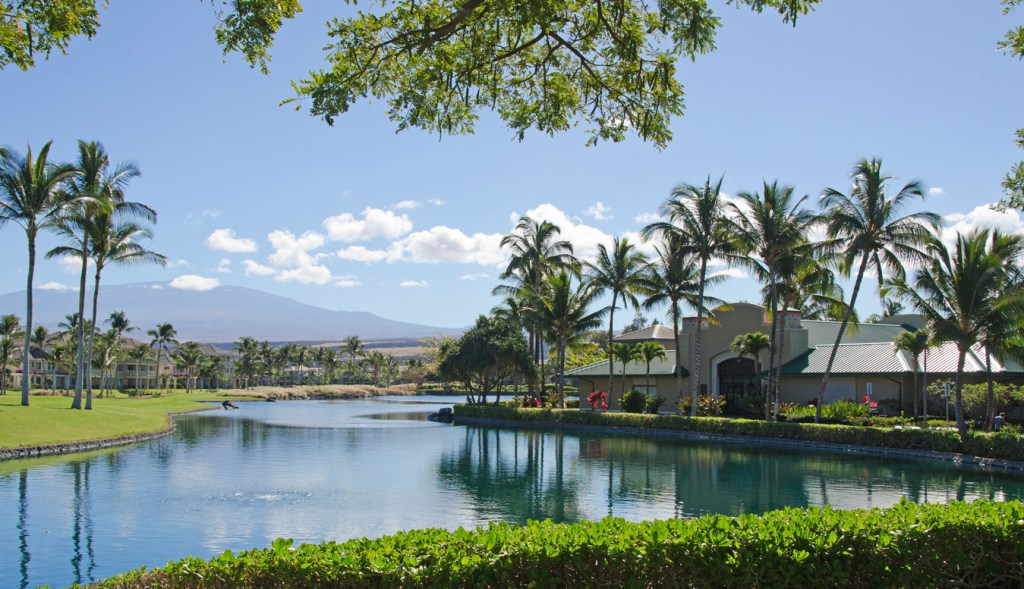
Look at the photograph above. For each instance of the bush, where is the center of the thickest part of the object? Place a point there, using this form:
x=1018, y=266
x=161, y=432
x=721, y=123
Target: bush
x=634, y=402
x=907, y=545
x=654, y=404
x=710, y=406
x=845, y=411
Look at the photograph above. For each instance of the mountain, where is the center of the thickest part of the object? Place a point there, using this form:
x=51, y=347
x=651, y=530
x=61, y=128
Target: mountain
x=222, y=314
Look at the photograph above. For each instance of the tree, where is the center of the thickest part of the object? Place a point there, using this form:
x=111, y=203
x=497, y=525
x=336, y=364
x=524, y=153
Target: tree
x=10, y=332
x=31, y=197
x=352, y=347
x=162, y=337
x=1013, y=45
x=752, y=344
x=140, y=354
x=696, y=222
x=623, y=271
x=649, y=351
x=487, y=354
x=963, y=292
x=189, y=358
x=913, y=343
x=563, y=310
x=870, y=224
x=39, y=336
x=33, y=27
x=624, y=353
x=768, y=229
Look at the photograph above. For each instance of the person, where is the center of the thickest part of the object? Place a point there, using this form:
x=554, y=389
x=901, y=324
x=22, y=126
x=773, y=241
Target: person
x=229, y=405
x=997, y=423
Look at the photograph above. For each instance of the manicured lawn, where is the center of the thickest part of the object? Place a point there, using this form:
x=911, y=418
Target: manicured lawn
x=48, y=420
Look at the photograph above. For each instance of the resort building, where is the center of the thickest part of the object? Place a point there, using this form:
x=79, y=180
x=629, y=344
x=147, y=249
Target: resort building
x=867, y=365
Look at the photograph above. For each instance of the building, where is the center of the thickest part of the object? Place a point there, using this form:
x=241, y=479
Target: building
x=867, y=364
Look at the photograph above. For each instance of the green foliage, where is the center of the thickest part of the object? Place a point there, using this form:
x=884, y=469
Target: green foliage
x=654, y=403
x=907, y=545
x=844, y=411
x=37, y=27
x=493, y=350
x=634, y=402
x=710, y=406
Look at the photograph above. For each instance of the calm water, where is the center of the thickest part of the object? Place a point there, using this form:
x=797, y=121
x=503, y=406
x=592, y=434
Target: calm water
x=337, y=470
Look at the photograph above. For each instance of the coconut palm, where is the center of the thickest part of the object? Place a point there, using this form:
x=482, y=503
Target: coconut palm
x=299, y=355
x=963, y=292
x=31, y=197
x=535, y=252
x=140, y=354
x=695, y=219
x=108, y=354
x=623, y=272
x=869, y=230
x=674, y=279
x=353, y=347
x=189, y=359
x=563, y=309
x=767, y=230
x=163, y=336
x=39, y=336
x=331, y=361
x=649, y=351
x=376, y=360
x=624, y=353
x=10, y=333
x=60, y=357
x=752, y=344
x=913, y=343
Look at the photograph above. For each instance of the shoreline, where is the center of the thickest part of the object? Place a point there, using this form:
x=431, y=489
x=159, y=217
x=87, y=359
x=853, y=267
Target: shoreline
x=1012, y=466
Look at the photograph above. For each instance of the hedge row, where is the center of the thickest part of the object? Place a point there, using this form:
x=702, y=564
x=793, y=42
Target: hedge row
x=1003, y=445
x=908, y=545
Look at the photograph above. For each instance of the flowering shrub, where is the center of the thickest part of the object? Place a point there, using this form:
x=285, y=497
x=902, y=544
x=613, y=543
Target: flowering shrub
x=598, y=400
x=530, y=402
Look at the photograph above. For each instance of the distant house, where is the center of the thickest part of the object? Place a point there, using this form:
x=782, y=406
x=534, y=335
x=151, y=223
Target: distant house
x=867, y=363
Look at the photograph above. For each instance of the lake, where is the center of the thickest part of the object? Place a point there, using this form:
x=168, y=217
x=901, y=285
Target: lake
x=334, y=470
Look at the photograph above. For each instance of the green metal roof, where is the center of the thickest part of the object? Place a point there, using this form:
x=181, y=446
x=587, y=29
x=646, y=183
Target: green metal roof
x=823, y=333
x=659, y=367
x=876, y=358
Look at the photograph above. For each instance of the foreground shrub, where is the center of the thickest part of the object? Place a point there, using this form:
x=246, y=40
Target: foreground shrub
x=908, y=545
x=634, y=402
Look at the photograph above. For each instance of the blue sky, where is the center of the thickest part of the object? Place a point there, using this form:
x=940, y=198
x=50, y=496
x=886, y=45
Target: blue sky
x=405, y=225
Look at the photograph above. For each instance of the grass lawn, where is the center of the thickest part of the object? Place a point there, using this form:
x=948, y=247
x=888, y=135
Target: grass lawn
x=48, y=420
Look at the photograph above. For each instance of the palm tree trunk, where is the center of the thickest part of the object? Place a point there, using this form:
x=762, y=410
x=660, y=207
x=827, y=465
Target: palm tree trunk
x=777, y=368
x=990, y=403
x=774, y=303
x=839, y=337
x=695, y=374
x=961, y=423
x=611, y=362
x=92, y=335
x=25, y=374
x=80, y=354
x=679, y=352
x=914, y=393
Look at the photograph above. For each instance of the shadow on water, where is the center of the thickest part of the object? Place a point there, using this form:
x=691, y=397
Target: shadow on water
x=23, y=528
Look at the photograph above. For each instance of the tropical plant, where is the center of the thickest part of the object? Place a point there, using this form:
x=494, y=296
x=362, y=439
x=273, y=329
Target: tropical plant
x=624, y=353
x=140, y=354
x=564, y=311
x=964, y=291
x=248, y=359
x=40, y=335
x=696, y=223
x=486, y=355
x=189, y=358
x=353, y=348
x=109, y=353
x=622, y=271
x=913, y=343
x=768, y=230
x=649, y=351
x=163, y=336
x=10, y=332
x=752, y=344
x=31, y=197
x=870, y=224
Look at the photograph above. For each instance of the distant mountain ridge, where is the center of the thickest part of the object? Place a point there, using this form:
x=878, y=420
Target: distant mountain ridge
x=222, y=314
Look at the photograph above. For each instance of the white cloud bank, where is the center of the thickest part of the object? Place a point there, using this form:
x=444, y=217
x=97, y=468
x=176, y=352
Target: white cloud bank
x=374, y=223
x=56, y=286
x=225, y=240
x=599, y=211
x=414, y=284
x=195, y=283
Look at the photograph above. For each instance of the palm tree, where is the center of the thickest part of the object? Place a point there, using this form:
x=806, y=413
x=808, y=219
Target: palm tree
x=963, y=292
x=695, y=219
x=60, y=357
x=299, y=356
x=390, y=369
x=649, y=351
x=563, y=309
x=10, y=332
x=752, y=344
x=913, y=343
x=163, y=336
x=39, y=336
x=869, y=224
x=31, y=197
x=189, y=358
x=331, y=360
x=353, y=347
x=623, y=271
x=376, y=360
x=140, y=354
x=110, y=352
x=248, y=350
x=674, y=279
x=767, y=230
x=624, y=353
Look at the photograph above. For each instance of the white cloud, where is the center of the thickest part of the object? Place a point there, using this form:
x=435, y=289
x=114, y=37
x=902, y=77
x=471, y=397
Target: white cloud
x=936, y=190
x=647, y=218
x=177, y=264
x=293, y=252
x=358, y=253
x=305, y=275
x=584, y=238
x=436, y=202
x=224, y=267
x=446, y=245
x=414, y=284
x=197, y=219
x=253, y=268
x=193, y=282
x=599, y=211
x=407, y=204
x=56, y=286
x=157, y=287
x=478, y=276
x=225, y=240
x=70, y=264
x=984, y=216
x=375, y=223
x=347, y=281
x=731, y=273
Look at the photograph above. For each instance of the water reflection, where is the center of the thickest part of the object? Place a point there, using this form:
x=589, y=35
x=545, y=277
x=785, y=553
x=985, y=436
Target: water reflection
x=239, y=479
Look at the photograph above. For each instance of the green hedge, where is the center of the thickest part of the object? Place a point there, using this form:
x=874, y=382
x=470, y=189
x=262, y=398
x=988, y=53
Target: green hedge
x=1003, y=445
x=908, y=545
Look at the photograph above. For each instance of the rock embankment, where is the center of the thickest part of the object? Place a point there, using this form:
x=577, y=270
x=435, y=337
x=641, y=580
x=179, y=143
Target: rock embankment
x=86, y=446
